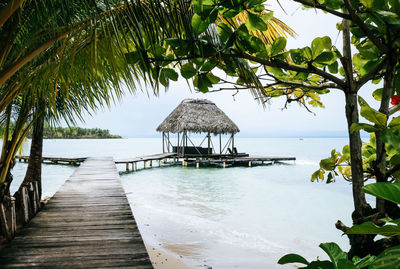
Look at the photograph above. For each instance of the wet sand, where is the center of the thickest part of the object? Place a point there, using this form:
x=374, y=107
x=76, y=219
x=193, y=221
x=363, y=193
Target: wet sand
x=162, y=259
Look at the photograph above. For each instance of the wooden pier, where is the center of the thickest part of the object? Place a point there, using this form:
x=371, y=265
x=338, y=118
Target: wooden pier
x=55, y=160
x=216, y=160
x=87, y=224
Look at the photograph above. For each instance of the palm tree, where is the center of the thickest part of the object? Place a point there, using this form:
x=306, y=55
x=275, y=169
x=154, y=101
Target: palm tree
x=67, y=55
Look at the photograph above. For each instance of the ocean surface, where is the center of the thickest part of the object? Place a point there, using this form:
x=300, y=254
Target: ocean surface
x=223, y=218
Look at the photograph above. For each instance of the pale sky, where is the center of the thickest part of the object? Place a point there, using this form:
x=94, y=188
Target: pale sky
x=139, y=115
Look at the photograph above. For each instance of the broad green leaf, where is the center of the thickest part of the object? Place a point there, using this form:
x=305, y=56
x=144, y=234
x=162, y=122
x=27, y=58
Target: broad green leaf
x=391, y=137
x=170, y=73
x=371, y=114
x=395, y=160
x=355, y=127
x=394, y=122
x=334, y=252
x=199, y=24
x=384, y=190
x=371, y=228
x=297, y=56
x=327, y=164
x=319, y=44
x=214, y=79
x=345, y=264
x=333, y=68
x=377, y=94
x=389, y=259
x=224, y=32
x=320, y=265
x=278, y=45
x=326, y=57
x=292, y=258
x=188, y=71
x=364, y=262
x=203, y=83
x=254, y=22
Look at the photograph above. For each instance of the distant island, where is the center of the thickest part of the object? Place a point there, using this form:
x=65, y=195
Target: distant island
x=75, y=133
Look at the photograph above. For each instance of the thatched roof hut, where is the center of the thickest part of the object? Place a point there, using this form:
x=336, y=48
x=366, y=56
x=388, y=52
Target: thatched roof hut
x=198, y=115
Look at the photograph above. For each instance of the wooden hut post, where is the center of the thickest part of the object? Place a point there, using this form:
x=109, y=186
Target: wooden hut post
x=220, y=144
x=233, y=142
x=209, y=143
x=163, y=142
x=168, y=142
x=177, y=147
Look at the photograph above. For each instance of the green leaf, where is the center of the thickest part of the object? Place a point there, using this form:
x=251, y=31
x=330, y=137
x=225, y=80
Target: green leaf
x=297, y=56
x=255, y=23
x=292, y=258
x=326, y=57
x=170, y=73
x=355, y=127
x=364, y=262
x=203, y=83
x=345, y=264
x=384, y=190
x=319, y=44
x=333, y=68
x=188, y=71
x=320, y=265
x=334, y=252
x=370, y=228
x=377, y=94
x=395, y=160
x=327, y=164
x=371, y=114
x=392, y=138
x=199, y=24
x=214, y=79
x=278, y=45
x=388, y=259
x=394, y=122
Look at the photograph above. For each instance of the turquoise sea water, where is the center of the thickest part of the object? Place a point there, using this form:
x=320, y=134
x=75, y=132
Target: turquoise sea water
x=225, y=218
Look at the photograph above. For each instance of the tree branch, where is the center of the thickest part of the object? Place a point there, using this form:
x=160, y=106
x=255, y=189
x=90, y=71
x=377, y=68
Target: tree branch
x=340, y=83
x=364, y=28
x=394, y=109
x=370, y=75
x=8, y=10
x=315, y=4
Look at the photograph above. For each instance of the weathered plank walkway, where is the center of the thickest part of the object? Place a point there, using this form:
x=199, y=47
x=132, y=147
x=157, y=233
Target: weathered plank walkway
x=55, y=160
x=87, y=224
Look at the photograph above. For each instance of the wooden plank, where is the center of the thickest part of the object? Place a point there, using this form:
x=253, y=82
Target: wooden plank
x=87, y=224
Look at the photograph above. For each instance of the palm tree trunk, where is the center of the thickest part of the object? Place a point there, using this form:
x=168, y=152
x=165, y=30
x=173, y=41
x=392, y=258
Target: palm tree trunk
x=33, y=174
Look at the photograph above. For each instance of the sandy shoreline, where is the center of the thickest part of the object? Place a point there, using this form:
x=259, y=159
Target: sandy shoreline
x=162, y=259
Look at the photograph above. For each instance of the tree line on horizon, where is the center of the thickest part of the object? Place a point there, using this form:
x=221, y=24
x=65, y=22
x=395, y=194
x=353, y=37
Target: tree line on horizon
x=51, y=132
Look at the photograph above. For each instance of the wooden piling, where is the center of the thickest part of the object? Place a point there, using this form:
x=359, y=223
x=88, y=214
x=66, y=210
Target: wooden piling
x=4, y=224
x=223, y=164
x=197, y=164
x=13, y=217
x=249, y=163
x=25, y=204
x=127, y=167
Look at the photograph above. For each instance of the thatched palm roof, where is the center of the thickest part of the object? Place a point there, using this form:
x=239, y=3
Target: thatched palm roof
x=198, y=115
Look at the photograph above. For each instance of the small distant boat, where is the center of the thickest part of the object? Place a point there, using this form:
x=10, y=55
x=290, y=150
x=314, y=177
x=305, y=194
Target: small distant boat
x=301, y=138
